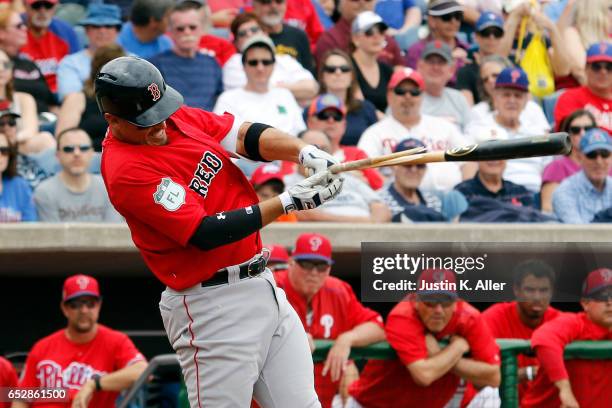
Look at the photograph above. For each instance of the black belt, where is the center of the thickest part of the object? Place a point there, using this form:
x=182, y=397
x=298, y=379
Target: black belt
x=247, y=270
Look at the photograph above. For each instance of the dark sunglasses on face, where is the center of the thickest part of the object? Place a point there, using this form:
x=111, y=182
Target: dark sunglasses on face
x=488, y=32
x=401, y=91
x=418, y=166
x=598, y=66
x=72, y=148
x=256, y=62
x=433, y=305
x=42, y=4
x=5, y=150
x=373, y=31
x=448, y=17
x=330, y=69
x=267, y=2
x=78, y=303
x=575, y=130
x=595, y=153
x=309, y=265
x=191, y=27
x=605, y=296
x=326, y=114
x=9, y=122
x=247, y=31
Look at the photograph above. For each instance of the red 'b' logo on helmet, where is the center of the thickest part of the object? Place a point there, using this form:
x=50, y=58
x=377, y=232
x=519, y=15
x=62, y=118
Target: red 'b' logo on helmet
x=154, y=91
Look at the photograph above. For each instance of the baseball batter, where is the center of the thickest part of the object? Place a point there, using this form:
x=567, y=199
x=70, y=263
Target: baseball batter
x=195, y=219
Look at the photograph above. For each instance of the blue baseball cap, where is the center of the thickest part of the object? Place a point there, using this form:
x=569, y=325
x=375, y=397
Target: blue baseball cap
x=407, y=144
x=102, y=15
x=595, y=139
x=601, y=51
x=489, y=19
x=326, y=101
x=513, y=78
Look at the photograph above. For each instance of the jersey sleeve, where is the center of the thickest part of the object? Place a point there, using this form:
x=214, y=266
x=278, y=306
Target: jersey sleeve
x=482, y=344
x=8, y=376
x=406, y=337
x=126, y=353
x=28, y=375
x=549, y=341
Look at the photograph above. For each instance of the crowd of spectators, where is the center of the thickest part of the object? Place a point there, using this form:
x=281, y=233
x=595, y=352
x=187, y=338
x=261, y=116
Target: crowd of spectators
x=360, y=77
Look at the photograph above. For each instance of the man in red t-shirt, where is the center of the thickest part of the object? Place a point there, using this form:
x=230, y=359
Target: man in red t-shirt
x=90, y=361
x=424, y=374
x=596, y=95
x=329, y=310
x=195, y=218
x=575, y=383
x=534, y=283
x=8, y=378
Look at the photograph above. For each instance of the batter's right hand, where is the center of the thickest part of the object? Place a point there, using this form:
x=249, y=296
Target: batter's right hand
x=312, y=192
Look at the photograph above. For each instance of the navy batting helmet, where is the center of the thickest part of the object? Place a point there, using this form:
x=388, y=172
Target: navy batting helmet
x=133, y=89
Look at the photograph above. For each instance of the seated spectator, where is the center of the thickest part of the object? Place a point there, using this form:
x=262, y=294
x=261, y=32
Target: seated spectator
x=144, y=34
x=444, y=19
x=102, y=24
x=29, y=139
x=488, y=35
x=27, y=77
x=510, y=97
x=267, y=180
x=328, y=114
x=579, y=197
x=329, y=310
x=219, y=48
x=259, y=100
x=80, y=109
x=405, y=96
x=355, y=203
x=195, y=75
x=279, y=257
x=15, y=194
x=288, y=39
x=596, y=95
x=489, y=182
x=423, y=370
x=437, y=67
x=337, y=76
x=575, y=382
x=534, y=284
x=49, y=39
x=93, y=362
x=576, y=124
x=581, y=27
x=74, y=194
x=408, y=203
x=339, y=36
x=400, y=16
x=368, y=40
x=287, y=73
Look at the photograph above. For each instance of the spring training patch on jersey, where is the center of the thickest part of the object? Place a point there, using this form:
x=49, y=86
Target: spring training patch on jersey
x=169, y=194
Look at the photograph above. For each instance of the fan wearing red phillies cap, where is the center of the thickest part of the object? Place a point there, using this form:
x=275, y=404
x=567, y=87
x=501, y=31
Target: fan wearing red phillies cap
x=92, y=362
x=424, y=373
x=575, y=383
x=596, y=94
x=279, y=257
x=329, y=310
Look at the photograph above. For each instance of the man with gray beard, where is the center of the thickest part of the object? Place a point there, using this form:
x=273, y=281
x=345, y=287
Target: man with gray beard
x=49, y=39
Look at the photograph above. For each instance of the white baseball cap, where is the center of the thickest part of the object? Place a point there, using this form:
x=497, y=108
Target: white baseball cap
x=366, y=20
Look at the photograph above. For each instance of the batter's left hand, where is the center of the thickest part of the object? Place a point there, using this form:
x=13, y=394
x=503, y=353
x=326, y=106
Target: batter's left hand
x=81, y=400
x=316, y=160
x=337, y=358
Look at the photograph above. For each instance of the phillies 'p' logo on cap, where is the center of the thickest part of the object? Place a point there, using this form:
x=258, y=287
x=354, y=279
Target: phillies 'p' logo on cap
x=313, y=246
x=80, y=285
x=155, y=93
x=515, y=75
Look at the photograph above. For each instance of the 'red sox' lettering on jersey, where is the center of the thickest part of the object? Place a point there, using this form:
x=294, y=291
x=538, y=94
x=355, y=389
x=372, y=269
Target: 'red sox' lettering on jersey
x=208, y=167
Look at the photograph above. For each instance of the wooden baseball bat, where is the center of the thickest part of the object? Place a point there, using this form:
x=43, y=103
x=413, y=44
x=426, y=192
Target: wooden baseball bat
x=545, y=145
x=372, y=161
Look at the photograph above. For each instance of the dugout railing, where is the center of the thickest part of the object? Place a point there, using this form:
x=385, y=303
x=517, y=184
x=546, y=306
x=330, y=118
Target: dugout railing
x=510, y=349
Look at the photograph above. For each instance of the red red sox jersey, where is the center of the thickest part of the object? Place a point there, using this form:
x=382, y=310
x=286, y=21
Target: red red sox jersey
x=591, y=380
x=56, y=362
x=8, y=378
x=504, y=321
x=335, y=310
x=164, y=192
x=388, y=384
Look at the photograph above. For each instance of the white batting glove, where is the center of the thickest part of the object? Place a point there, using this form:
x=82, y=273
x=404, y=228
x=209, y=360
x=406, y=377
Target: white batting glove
x=311, y=192
x=316, y=160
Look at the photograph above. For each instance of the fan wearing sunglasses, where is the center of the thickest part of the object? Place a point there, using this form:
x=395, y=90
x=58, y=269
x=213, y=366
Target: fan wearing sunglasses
x=74, y=194
x=576, y=124
x=581, y=196
x=596, y=93
x=444, y=19
x=16, y=203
